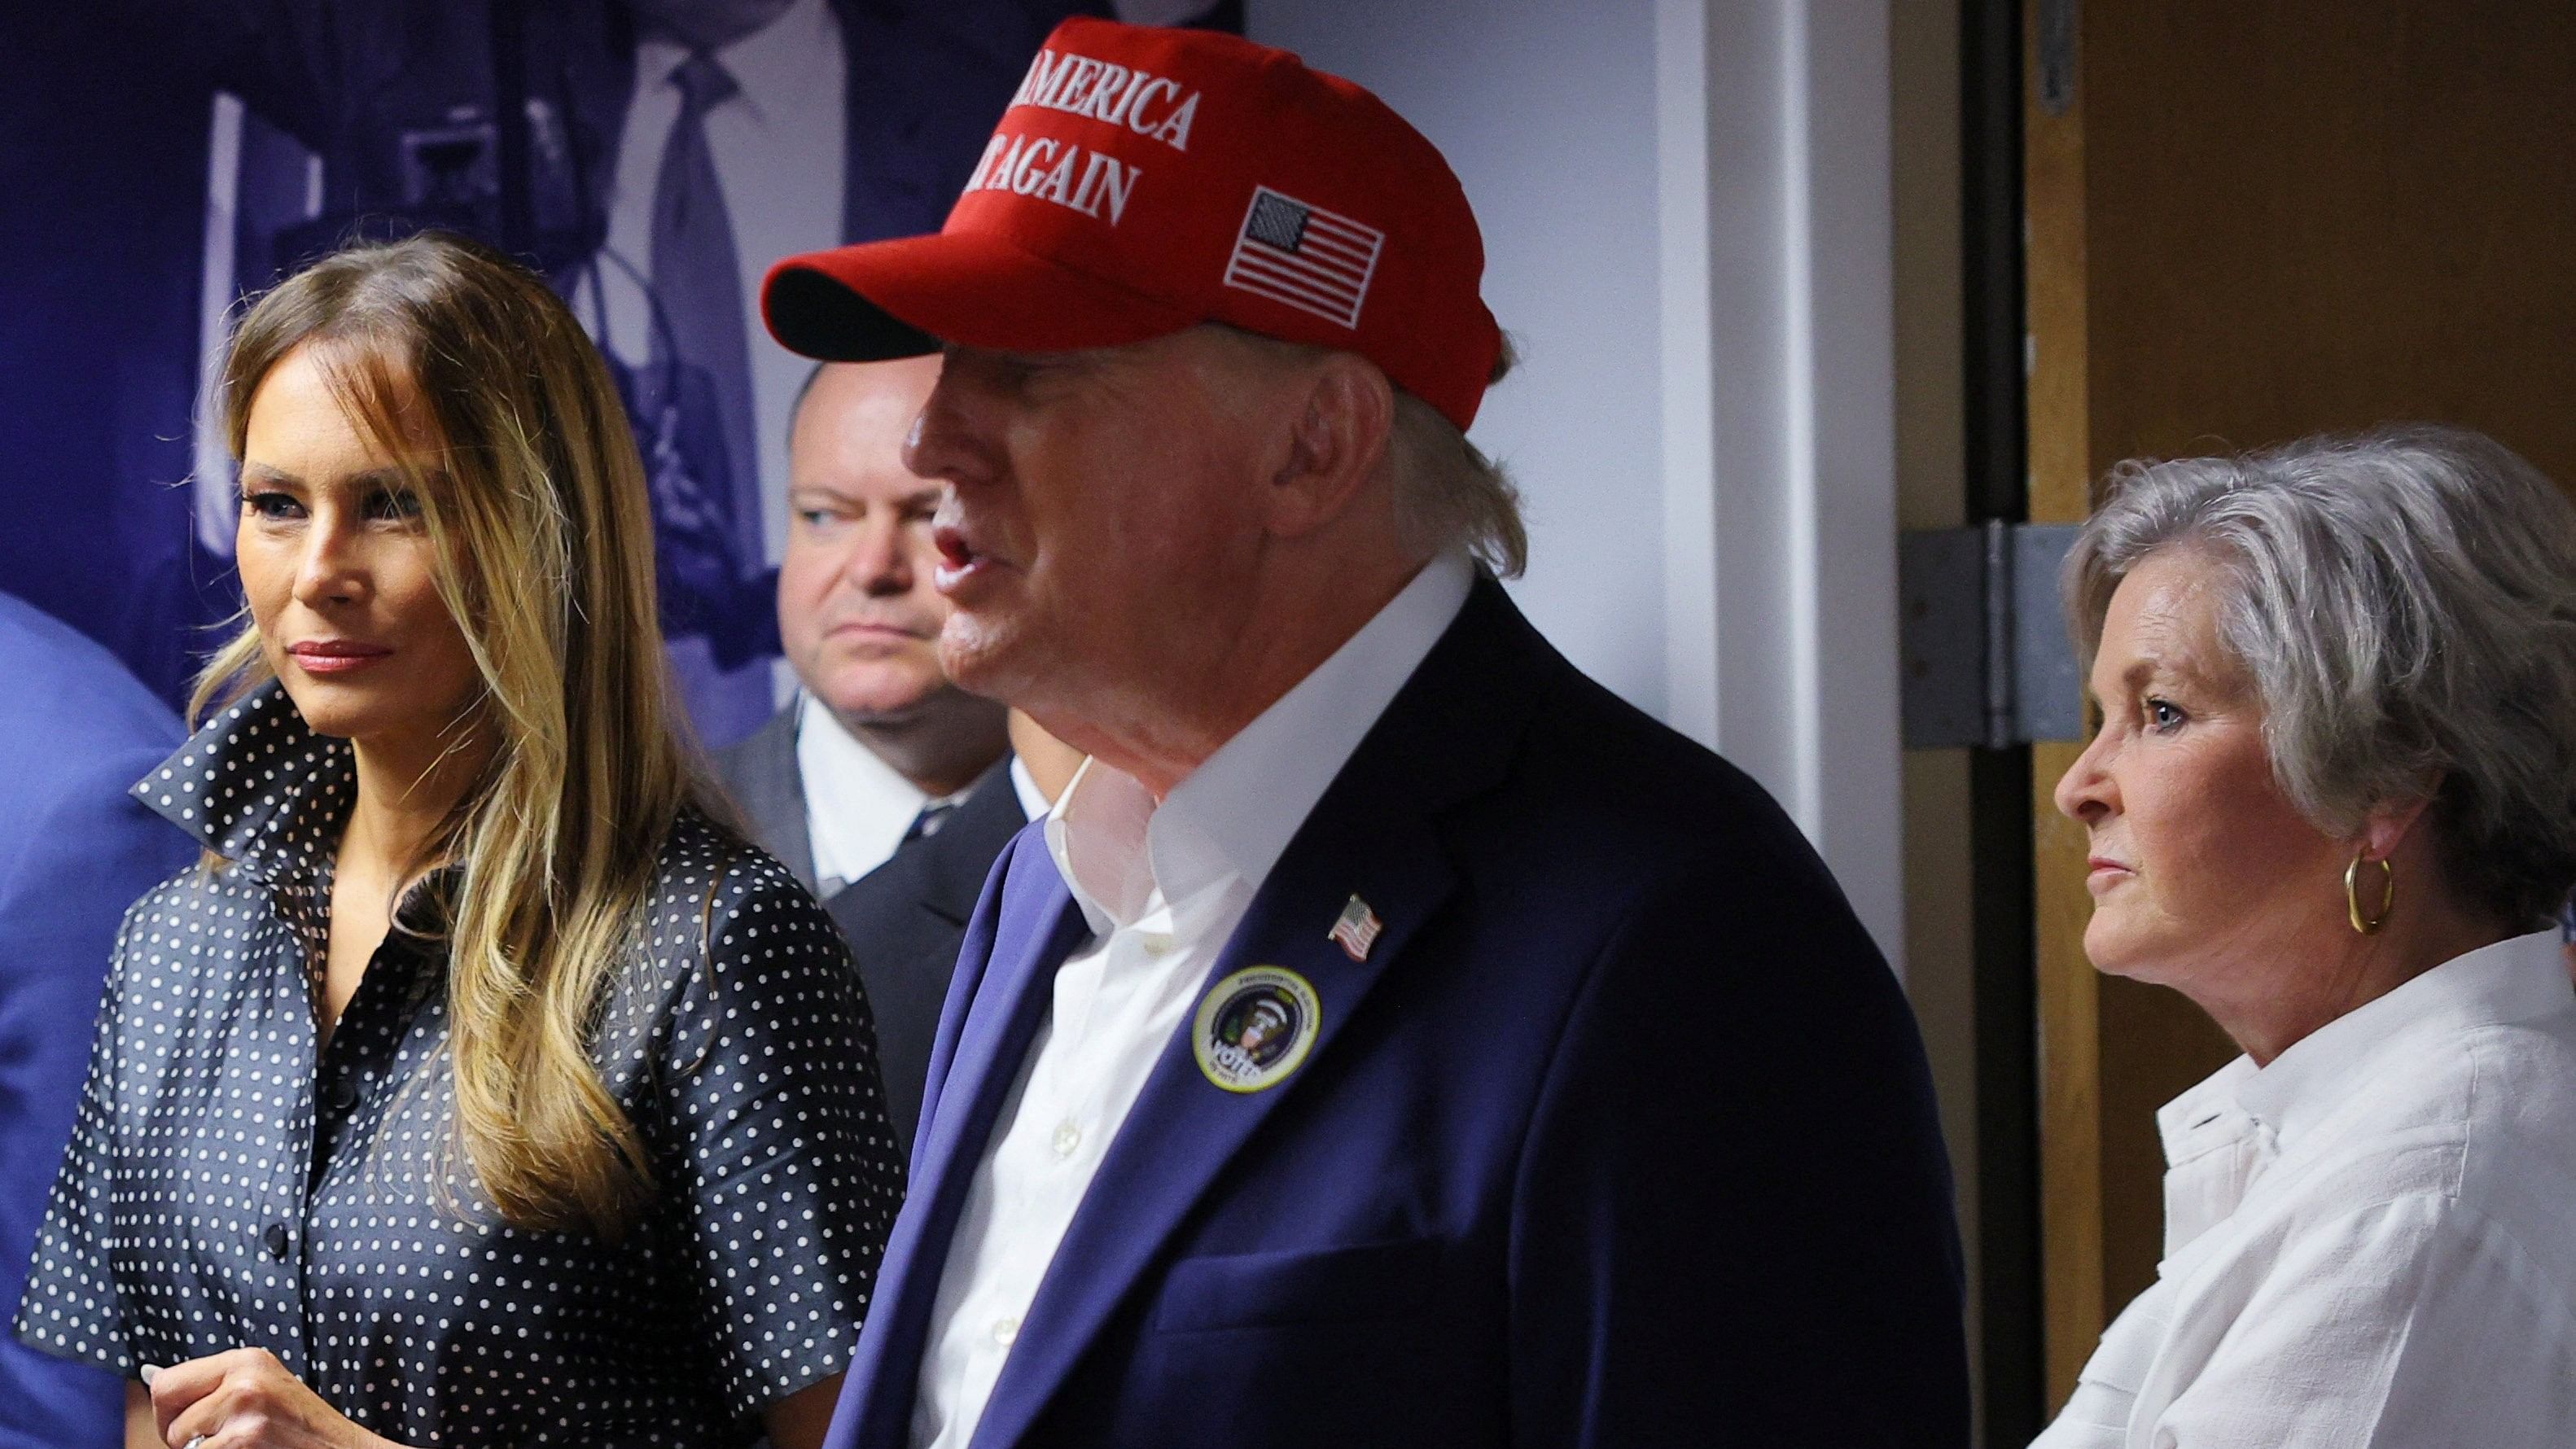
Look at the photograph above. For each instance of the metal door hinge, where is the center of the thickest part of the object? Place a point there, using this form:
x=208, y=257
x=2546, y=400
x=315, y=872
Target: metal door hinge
x=1984, y=655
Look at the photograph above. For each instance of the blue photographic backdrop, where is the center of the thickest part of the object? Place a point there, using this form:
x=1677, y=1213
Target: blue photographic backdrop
x=160, y=161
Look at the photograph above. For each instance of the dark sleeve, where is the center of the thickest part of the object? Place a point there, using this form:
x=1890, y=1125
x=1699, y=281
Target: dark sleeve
x=71, y=1308
x=785, y=1172
x=1732, y=1222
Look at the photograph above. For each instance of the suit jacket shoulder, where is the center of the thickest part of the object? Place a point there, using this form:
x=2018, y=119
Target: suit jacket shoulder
x=759, y=774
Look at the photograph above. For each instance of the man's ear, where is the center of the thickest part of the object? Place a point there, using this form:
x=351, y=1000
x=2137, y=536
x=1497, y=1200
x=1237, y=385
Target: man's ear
x=1337, y=437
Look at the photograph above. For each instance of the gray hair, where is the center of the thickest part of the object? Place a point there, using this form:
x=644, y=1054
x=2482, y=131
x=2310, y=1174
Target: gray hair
x=2404, y=601
x=1448, y=494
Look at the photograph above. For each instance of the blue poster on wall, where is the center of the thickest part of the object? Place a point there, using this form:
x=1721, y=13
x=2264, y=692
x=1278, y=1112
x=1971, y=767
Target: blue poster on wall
x=161, y=161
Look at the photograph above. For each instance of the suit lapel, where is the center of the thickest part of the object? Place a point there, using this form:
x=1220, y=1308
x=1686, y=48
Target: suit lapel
x=1038, y=926
x=995, y=1039
x=956, y=860
x=1448, y=734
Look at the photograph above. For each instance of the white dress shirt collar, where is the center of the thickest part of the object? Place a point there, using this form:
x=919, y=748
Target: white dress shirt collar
x=857, y=807
x=2512, y=980
x=1033, y=801
x=1235, y=814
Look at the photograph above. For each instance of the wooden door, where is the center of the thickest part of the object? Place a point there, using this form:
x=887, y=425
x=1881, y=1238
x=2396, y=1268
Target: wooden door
x=2249, y=220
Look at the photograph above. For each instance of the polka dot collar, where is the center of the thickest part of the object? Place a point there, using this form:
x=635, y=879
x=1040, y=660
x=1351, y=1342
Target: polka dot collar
x=258, y=787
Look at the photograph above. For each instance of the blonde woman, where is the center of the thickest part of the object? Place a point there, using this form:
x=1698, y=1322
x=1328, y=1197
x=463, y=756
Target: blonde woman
x=477, y=1088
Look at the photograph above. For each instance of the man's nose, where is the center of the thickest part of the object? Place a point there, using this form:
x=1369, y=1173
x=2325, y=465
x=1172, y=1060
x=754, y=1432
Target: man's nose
x=950, y=436
x=880, y=561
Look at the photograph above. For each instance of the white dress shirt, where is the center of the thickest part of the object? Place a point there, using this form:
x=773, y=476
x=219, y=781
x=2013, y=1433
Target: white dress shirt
x=1162, y=888
x=778, y=145
x=1033, y=801
x=857, y=807
x=2368, y=1242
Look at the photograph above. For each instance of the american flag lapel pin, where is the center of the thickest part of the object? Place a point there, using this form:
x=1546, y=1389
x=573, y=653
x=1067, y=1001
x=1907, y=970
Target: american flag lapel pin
x=1355, y=930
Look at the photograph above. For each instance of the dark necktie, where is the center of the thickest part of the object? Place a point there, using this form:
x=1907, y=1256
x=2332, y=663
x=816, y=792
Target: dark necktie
x=932, y=816
x=701, y=357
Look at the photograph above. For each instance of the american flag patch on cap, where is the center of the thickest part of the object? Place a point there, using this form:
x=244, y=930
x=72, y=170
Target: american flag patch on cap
x=1309, y=258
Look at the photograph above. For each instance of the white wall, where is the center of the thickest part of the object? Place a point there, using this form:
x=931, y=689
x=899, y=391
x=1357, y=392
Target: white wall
x=1686, y=206
x=1547, y=112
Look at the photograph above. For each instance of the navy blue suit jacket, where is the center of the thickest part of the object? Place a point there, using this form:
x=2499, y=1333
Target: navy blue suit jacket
x=1621, y=1135
x=904, y=921
x=75, y=851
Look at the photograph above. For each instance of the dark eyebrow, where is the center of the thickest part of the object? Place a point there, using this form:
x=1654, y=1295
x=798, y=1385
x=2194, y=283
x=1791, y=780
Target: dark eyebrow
x=815, y=492
x=386, y=478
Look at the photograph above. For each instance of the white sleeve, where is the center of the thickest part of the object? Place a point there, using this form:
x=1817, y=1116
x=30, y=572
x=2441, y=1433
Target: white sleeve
x=2407, y=1324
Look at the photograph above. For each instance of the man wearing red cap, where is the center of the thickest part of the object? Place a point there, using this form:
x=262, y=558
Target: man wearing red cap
x=1390, y=1037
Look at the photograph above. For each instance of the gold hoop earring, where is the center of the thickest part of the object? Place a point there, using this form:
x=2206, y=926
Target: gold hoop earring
x=2369, y=926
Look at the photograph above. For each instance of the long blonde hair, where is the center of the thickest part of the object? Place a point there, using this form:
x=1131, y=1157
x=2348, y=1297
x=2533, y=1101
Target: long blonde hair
x=542, y=545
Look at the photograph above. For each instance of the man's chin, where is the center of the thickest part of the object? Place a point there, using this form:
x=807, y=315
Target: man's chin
x=859, y=648
x=976, y=656
x=873, y=702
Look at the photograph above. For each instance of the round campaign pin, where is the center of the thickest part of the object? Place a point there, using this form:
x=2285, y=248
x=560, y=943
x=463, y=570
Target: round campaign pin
x=1254, y=1027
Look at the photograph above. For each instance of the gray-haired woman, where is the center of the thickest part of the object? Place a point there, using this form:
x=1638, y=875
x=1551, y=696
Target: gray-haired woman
x=2333, y=801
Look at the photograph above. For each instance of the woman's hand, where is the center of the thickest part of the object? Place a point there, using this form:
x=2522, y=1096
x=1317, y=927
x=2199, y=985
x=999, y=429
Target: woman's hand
x=800, y=1420
x=246, y=1399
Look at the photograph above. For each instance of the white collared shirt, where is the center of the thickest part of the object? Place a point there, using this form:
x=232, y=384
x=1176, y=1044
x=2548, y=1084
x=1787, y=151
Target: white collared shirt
x=1162, y=889
x=778, y=145
x=857, y=807
x=2367, y=1242
x=1033, y=801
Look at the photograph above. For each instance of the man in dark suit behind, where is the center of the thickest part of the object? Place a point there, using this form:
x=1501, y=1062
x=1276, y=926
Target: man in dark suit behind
x=1390, y=1038
x=883, y=786
x=878, y=746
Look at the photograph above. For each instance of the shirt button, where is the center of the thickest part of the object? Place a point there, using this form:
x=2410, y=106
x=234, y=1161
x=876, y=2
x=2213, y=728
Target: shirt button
x=344, y=1092
x=1005, y=1330
x=1156, y=942
x=274, y=1239
x=1067, y=1138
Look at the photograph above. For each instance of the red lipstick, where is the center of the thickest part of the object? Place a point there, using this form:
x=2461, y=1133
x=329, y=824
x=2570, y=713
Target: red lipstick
x=336, y=656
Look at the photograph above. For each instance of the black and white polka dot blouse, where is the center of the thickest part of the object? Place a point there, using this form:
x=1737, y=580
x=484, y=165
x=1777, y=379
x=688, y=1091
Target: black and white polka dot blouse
x=226, y=1189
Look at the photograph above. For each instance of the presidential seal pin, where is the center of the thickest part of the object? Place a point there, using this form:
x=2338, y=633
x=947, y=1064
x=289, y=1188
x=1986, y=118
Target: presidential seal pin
x=1254, y=1027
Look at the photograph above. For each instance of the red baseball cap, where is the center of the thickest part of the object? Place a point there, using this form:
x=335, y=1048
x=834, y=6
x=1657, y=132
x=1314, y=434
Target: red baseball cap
x=1147, y=179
